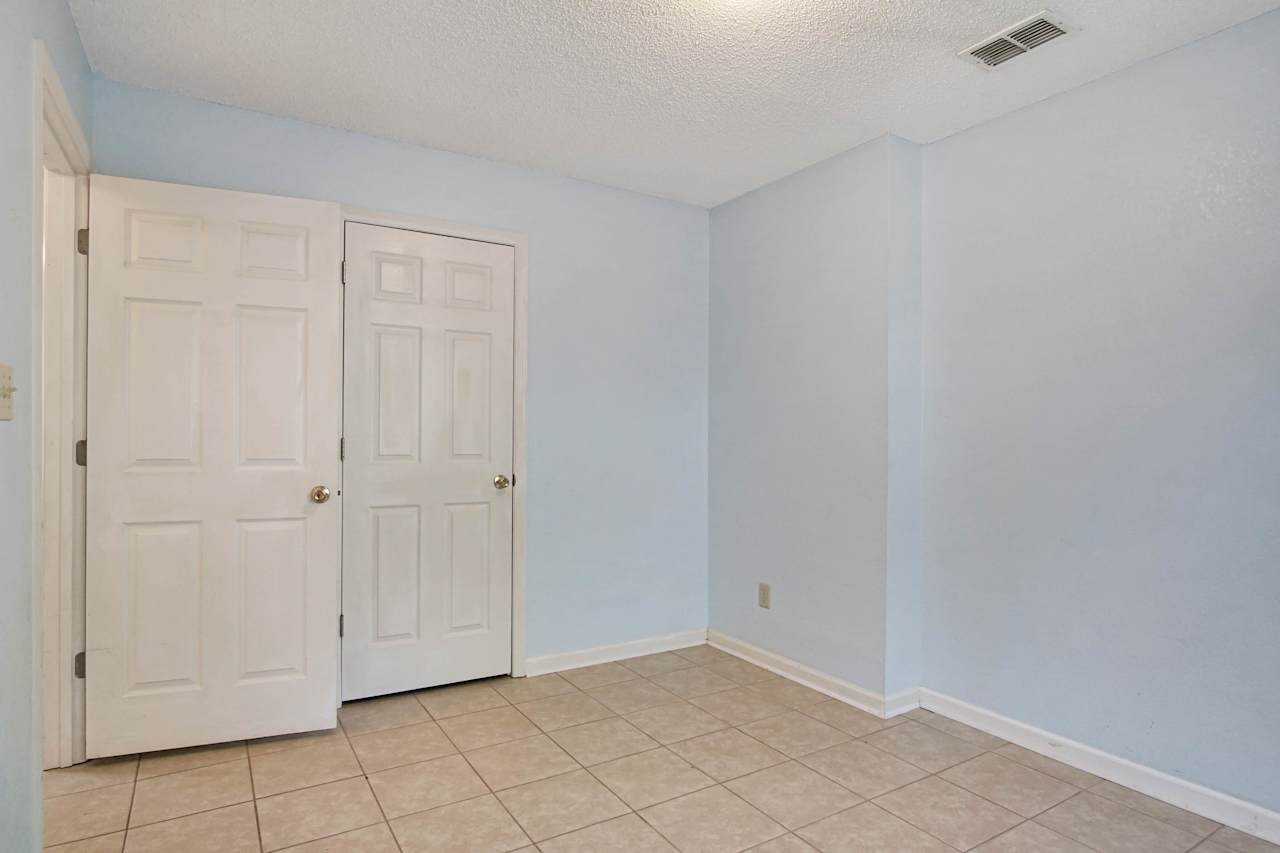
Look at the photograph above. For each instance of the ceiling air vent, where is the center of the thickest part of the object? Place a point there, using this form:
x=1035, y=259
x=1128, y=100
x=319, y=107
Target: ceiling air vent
x=1016, y=40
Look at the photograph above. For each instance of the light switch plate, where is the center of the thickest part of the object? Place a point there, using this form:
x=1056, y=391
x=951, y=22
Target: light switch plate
x=6, y=392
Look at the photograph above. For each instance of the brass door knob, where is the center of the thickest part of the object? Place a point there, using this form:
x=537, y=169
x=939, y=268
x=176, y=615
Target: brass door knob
x=320, y=494
x=501, y=481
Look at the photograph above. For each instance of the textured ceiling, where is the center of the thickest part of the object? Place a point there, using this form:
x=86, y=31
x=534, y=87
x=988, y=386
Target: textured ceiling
x=695, y=100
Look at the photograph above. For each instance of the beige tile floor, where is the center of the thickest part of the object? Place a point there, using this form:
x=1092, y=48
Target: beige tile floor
x=692, y=750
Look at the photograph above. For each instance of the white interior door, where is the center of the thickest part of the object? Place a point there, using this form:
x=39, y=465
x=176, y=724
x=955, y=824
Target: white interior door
x=214, y=409
x=428, y=427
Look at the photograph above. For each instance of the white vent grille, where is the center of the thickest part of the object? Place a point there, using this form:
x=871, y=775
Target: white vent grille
x=1016, y=40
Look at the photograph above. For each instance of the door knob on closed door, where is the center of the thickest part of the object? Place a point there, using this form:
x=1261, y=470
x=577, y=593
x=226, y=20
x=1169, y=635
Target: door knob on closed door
x=320, y=494
x=501, y=481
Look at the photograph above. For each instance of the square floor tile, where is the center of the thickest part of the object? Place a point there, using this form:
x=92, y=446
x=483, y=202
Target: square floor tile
x=1031, y=837
x=561, y=804
x=671, y=723
x=948, y=812
x=560, y=712
x=509, y=764
x=739, y=706
x=922, y=746
x=385, y=712
x=405, y=745
x=794, y=734
x=457, y=699
x=86, y=813
x=1157, y=809
x=190, y=791
x=370, y=839
x=326, y=761
x=298, y=816
x=651, y=777
x=863, y=769
x=175, y=760
x=631, y=696
x=486, y=728
x=784, y=844
x=711, y=821
x=688, y=683
x=600, y=675
x=741, y=672
x=233, y=829
x=793, y=795
x=651, y=665
x=1007, y=783
x=481, y=825
x=727, y=754
x=280, y=743
x=98, y=773
x=626, y=834
x=112, y=843
x=703, y=655
x=784, y=691
x=528, y=689
x=959, y=730
x=1110, y=827
x=1048, y=766
x=418, y=787
x=847, y=718
x=603, y=740
x=1240, y=842
x=869, y=829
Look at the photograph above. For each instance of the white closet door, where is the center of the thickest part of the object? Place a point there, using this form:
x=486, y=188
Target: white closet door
x=428, y=427
x=214, y=410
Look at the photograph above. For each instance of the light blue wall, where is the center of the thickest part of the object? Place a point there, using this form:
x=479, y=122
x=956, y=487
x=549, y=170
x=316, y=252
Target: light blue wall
x=617, y=353
x=1102, y=413
x=798, y=366
x=20, y=22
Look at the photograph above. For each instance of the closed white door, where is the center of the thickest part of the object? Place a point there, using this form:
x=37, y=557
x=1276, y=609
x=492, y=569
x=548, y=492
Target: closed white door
x=428, y=429
x=214, y=409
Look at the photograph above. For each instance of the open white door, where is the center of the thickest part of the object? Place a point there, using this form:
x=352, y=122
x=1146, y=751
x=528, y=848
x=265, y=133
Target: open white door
x=429, y=425
x=214, y=409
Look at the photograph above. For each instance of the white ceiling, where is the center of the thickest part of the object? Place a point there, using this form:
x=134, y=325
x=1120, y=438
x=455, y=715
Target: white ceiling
x=694, y=100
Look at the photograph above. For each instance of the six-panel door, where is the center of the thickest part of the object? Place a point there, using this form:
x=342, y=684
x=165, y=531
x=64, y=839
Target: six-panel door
x=428, y=426
x=214, y=407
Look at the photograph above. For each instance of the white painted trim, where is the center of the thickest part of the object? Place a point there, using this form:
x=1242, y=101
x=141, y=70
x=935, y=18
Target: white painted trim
x=846, y=691
x=1225, y=809
x=59, y=144
x=901, y=702
x=617, y=651
x=520, y=450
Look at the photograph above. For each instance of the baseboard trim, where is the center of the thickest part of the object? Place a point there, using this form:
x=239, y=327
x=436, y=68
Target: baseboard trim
x=1224, y=808
x=901, y=702
x=846, y=691
x=617, y=651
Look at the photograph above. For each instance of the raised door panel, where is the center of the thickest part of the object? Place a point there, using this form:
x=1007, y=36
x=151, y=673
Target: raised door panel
x=164, y=608
x=163, y=382
x=397, y=409
x=271, y=385
x=396, y=570
x=272, y=555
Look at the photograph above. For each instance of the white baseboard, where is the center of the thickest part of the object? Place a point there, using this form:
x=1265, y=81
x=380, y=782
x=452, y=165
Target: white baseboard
x=901, y=702
x=846, y=691
x=617, y=651
x=1225, y=809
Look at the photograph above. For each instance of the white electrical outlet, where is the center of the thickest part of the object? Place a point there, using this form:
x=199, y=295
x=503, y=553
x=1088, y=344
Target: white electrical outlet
x=764, y=596
x=6, y=392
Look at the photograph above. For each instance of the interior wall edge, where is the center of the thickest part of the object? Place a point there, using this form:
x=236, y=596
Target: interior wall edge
x=544, y=664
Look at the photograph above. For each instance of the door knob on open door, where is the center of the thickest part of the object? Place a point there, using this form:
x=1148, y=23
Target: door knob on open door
x=320, y=494
x=501, y=481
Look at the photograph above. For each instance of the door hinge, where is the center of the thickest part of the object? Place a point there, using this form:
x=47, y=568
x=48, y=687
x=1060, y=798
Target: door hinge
x=344, y=272
x=82, y=453
x=79, y=664
x=341, y=624
x=342, y=449
x=82, y=241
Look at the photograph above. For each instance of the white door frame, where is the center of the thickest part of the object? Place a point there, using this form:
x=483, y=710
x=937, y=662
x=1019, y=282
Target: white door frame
x=519, y=530
x=57, y=408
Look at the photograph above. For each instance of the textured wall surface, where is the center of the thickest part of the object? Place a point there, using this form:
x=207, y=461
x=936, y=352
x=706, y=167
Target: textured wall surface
x=617, y=342
x=799, y=418
x=697, y=100
x=20, y=22
x=1102, y=375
